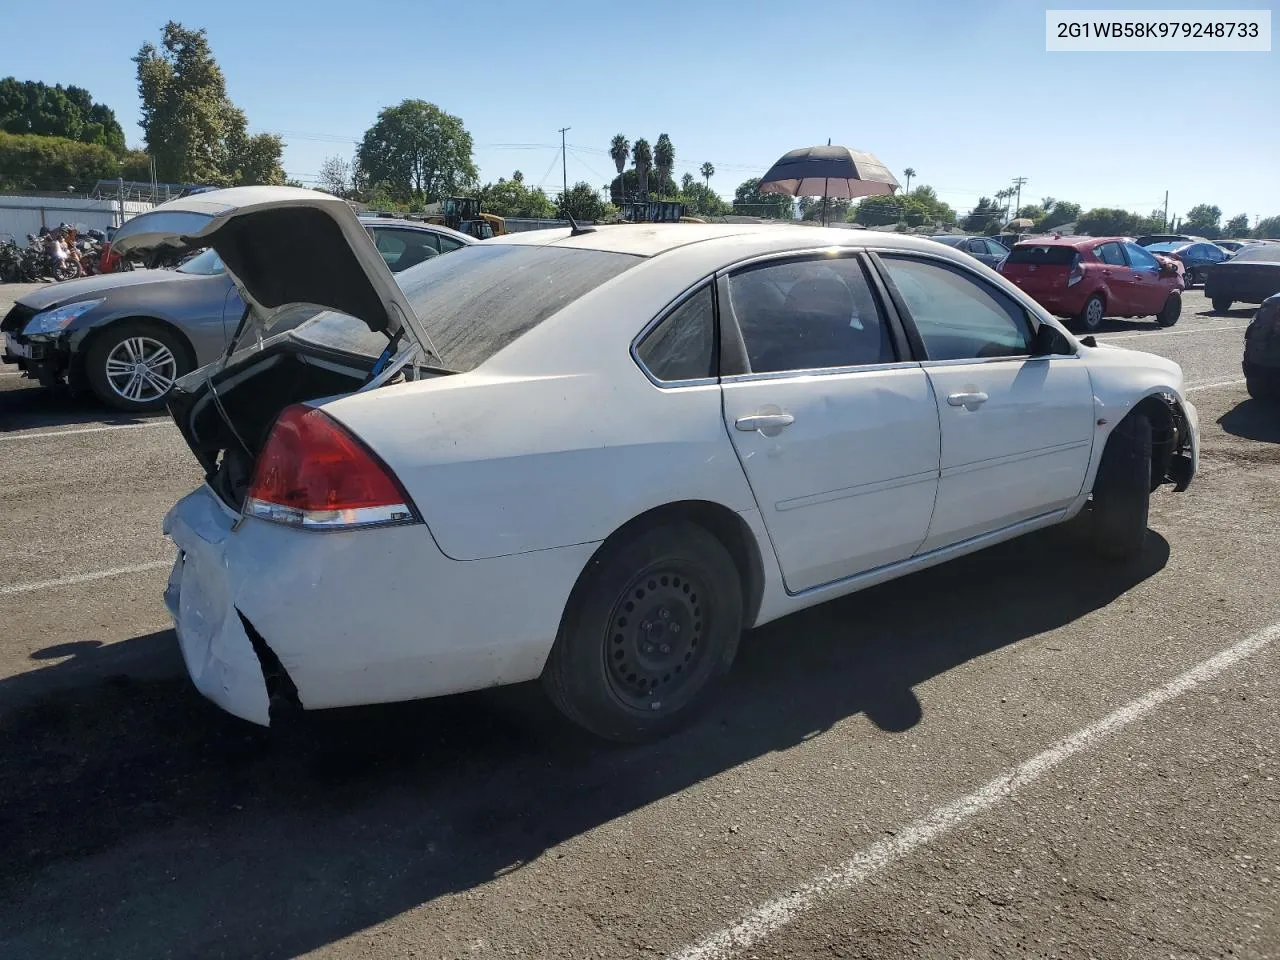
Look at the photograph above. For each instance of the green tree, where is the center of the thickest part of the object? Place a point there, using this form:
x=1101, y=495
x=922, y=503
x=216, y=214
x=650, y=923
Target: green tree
x=1268, y=228
x=620, y=150
x=335, y=176
x=581, y=203
x=708, y=170
x=642, y=156
x=664, y=156
x=418, y=152
x=686, y=182
x=877, y=211
x=1203, y=220
x=192, y=129
x=1107, y=222
x=749, y=201
x=1032, y=211
x=32, y=107
x=984, y=214
x=511, y=198
x=908, y=173
x=1062, y=211
x=30, y=162
x=811, y=209
x=702, y=201
x=1237, y=226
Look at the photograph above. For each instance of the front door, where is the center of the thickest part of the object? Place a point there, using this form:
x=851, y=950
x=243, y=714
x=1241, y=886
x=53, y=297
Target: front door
x=837, y=434
x=1150, y=289
x=1017, y=430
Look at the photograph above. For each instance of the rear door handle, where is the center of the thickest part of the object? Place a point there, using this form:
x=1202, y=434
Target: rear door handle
x=768, y=424
x=968, y=400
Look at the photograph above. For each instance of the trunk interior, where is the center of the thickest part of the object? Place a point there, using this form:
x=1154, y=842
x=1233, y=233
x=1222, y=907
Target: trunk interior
x=226, y=412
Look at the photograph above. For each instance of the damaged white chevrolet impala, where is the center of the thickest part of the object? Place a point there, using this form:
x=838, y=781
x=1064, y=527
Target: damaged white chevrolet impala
x=595, y=456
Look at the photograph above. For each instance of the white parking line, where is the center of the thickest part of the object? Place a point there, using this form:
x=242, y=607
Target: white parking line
x=1210, y=384
x=1156, y=332
x=775, y=914
x=67, y=433
x=12, y=588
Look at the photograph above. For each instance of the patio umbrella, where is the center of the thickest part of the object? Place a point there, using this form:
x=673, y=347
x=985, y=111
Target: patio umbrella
x=828, y=172
x=1022, y=223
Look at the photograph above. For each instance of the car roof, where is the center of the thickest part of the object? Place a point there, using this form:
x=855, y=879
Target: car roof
x=417, y=225
x=652, y=239
x=1078, y=243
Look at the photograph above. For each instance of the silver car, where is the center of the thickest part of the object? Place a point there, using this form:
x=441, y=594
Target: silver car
x=126, y=337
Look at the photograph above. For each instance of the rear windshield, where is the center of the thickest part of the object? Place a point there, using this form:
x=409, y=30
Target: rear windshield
x=1045, y=255
x=950, y=241
x=1265, y=252
x=479, y=299
x=1167, y=246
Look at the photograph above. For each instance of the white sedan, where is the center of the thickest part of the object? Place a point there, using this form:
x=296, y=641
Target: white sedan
x=595, y=456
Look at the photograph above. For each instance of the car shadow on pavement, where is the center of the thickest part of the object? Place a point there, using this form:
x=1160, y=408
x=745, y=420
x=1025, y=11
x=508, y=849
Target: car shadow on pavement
x=1253, y=420
x=140, y=820
x=25, y=405
x=1239, y=312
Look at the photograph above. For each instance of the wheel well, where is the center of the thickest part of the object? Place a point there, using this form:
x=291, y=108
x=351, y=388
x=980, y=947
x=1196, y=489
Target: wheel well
x=723, y=524
x=1164, y=434
x=77, y=366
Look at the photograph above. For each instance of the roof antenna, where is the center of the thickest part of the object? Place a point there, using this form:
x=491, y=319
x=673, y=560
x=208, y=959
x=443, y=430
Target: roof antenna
x=577, y=231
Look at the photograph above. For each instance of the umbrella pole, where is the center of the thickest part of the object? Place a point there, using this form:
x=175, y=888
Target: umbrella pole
x=826, y=185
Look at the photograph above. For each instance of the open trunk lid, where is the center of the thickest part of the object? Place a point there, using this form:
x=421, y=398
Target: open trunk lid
x=283, y=246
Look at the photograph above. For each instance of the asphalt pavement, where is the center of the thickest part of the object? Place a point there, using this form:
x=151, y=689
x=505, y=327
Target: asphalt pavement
x=1021, y=753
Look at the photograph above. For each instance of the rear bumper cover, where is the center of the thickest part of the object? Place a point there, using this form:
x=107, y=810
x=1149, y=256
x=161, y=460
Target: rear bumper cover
x=355, y=617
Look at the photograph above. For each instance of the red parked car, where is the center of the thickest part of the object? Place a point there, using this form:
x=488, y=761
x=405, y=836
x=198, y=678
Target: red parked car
x=1088, y=278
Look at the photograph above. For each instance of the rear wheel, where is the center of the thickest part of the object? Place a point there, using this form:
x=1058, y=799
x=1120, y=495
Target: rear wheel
x=1222, y=304
x=1091, y=316
x=132, y=365
x=1122, y=491
x=654, y=623
x=1170, y=312
x=1191, y=278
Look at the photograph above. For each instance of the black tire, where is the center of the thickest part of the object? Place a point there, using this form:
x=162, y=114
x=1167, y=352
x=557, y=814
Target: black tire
x=1222, y=304
x=1092, y=314
x=1263, y=390
x=107, y=343
x=693, y=605
x=1122, y=491
x=1171, y=310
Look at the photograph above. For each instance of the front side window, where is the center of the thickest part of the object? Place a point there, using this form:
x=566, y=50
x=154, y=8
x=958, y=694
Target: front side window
x=957, y=317
x=809, y=315
x=996, y=249
x=1139, y=259
x=682, y=346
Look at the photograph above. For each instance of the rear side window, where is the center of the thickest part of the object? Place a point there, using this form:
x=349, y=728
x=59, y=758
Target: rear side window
x=479, y=299
x=1110, y=253
x=683, y=346
x=1050, y=256
x=809, y=315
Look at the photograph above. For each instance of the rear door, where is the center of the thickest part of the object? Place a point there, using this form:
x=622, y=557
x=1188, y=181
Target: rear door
x=836, y=431
x=1116, y=275
x=1017, y=430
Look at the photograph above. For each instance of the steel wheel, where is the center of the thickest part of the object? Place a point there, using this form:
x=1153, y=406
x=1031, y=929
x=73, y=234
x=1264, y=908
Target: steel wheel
x=1093, y=313
x=141, y=369
x=656, y=636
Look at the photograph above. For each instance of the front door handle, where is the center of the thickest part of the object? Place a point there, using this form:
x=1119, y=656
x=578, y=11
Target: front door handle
x=967, y=400
x=768, y=424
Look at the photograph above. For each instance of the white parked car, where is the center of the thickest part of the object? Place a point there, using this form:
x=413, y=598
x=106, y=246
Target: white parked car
x=596, y=456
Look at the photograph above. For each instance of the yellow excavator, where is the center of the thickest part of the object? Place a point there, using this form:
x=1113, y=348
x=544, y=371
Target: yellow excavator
x=463, y=214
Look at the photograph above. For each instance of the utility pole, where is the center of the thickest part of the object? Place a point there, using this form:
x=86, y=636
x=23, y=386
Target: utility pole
x=1018, y=182
x=564, y=165
x=1166, y=209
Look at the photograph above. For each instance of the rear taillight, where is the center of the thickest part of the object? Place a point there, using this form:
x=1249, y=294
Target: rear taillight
x=313, y=473
x=1077, y=271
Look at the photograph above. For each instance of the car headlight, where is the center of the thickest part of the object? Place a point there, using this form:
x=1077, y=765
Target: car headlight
x=51, y=321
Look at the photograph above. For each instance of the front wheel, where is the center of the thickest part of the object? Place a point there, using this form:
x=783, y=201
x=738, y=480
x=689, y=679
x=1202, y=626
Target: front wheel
x=1221, y=304
x=1091, y=316
x=651, y=627
x=1170, y=312
x=132, y=365
x=1122, y=491
x=66, y=270
x=1190, y=279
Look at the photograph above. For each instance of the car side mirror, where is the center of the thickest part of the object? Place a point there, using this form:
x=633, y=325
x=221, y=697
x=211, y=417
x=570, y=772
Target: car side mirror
x=1048, y=342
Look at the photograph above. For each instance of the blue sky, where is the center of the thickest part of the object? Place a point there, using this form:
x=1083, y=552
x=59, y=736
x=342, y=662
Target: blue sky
x=961, y=90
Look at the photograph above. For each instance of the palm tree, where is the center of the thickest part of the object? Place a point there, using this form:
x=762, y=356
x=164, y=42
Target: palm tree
x=1002, y=196
x=642, y=156
x=909, y=172
x=619, y=149
x=1046, y=203
x=686, y=182
x=664, y=158
x=708, y=171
